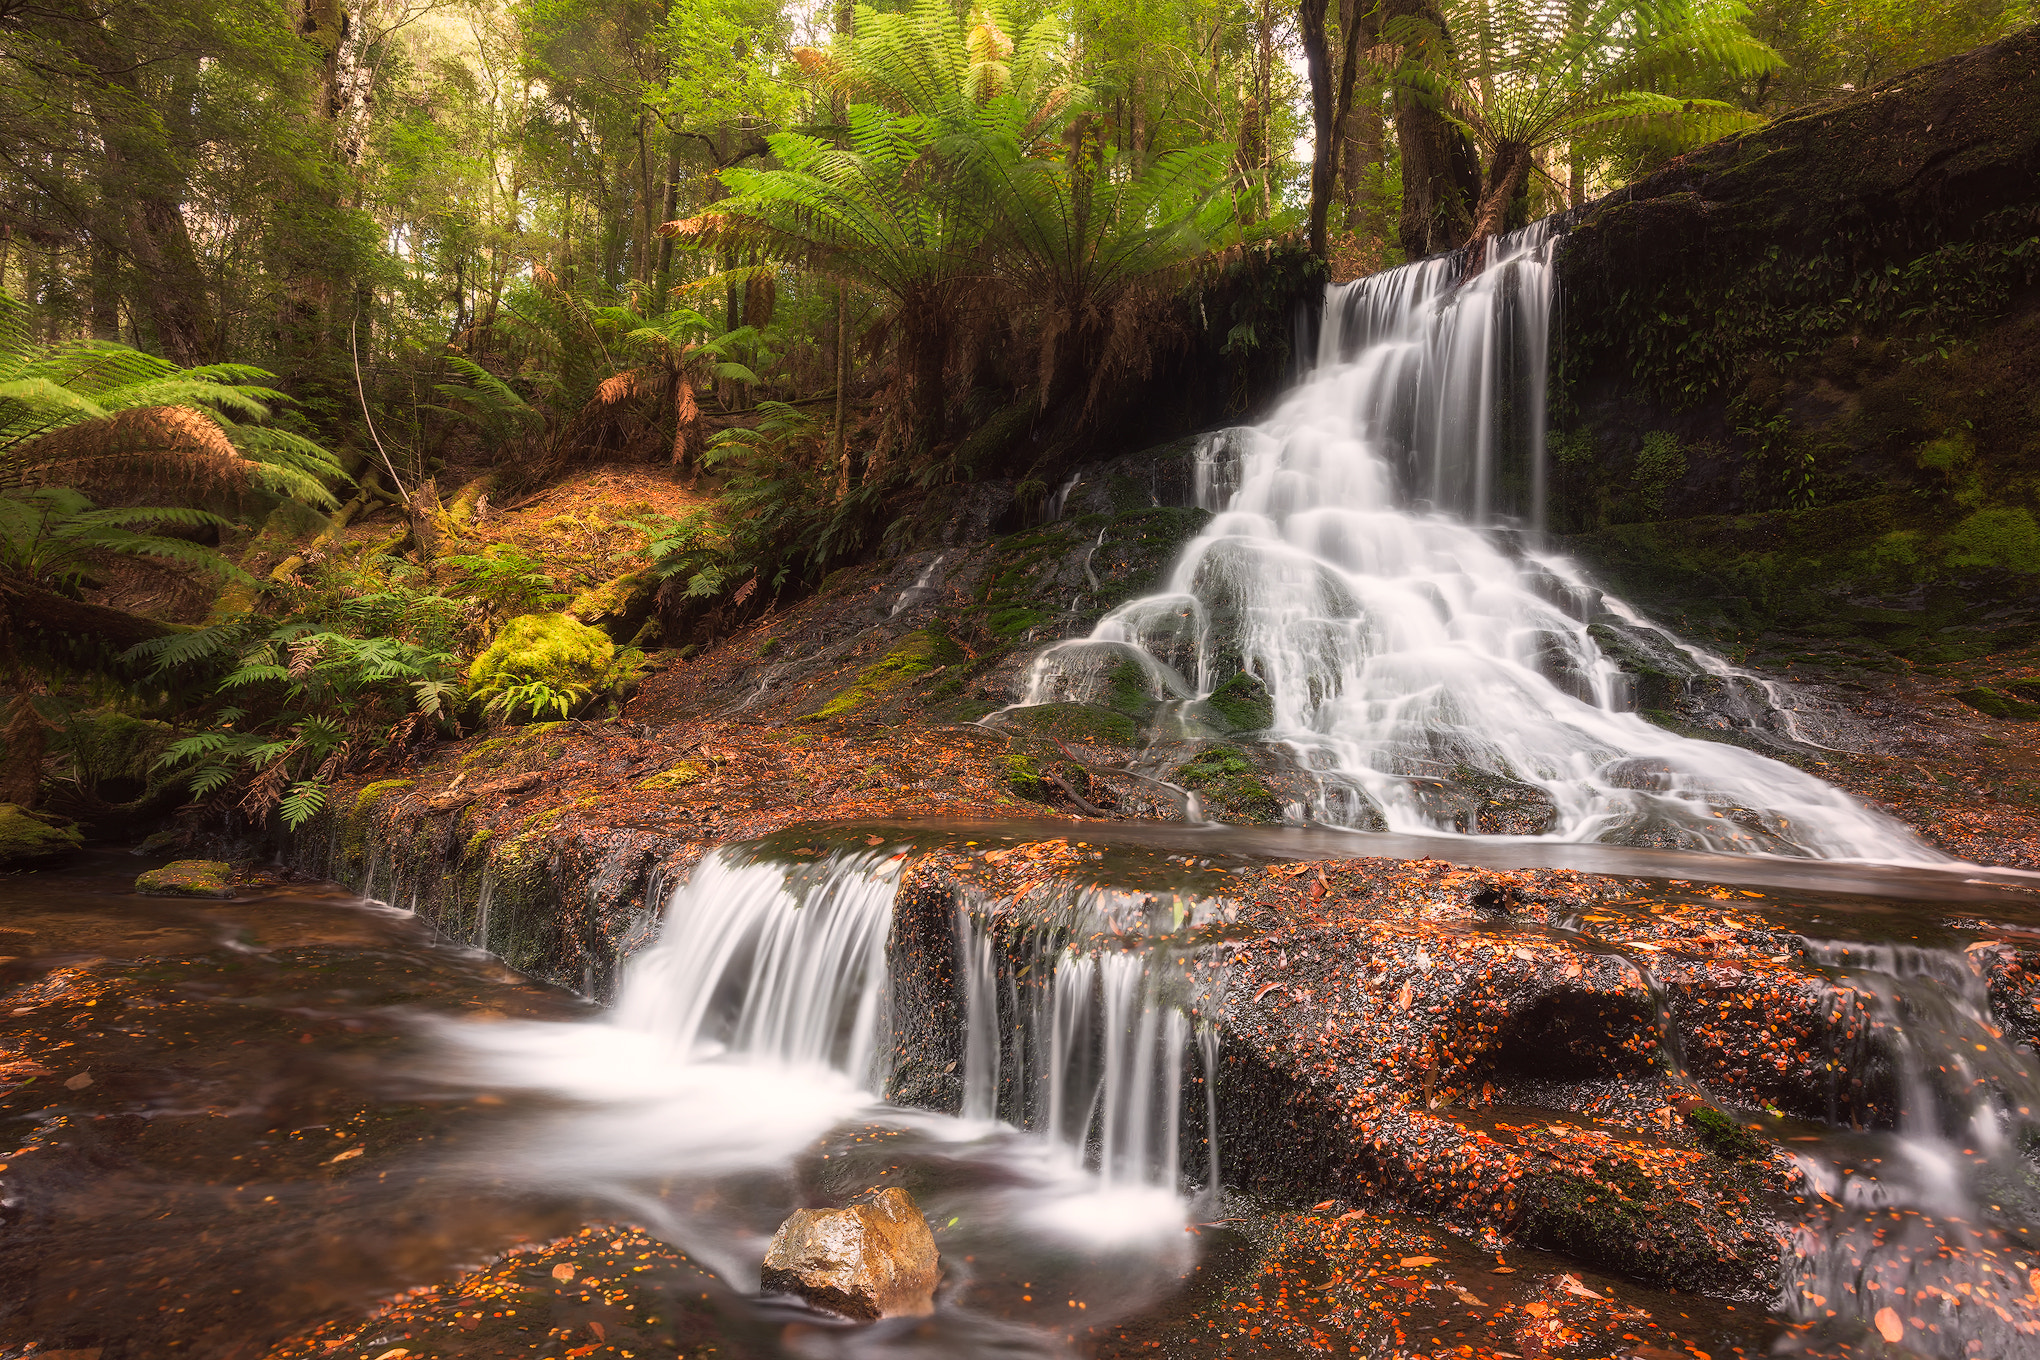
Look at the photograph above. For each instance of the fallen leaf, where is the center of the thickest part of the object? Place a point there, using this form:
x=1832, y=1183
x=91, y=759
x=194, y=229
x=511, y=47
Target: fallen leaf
x=351, y=1152
x=1536, y=1309
x=1503, y=1270
x=1572, y=1286
x=563, y=1272
x=1326, y=1205
x=1405, y=996
x=1889, y=1327
x=874, y=840
x=395, y=1353
x=79, y=1082
x=1419, y=1260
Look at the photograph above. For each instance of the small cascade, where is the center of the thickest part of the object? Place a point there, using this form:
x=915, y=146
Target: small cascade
x=1080, y=1029
x=923, y=589
x=774, y=964
x=1372, y=561
x=1928, y=1207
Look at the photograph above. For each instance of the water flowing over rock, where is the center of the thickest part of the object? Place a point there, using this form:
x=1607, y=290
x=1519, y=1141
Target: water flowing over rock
x=865, y=1261
x=1373, y=565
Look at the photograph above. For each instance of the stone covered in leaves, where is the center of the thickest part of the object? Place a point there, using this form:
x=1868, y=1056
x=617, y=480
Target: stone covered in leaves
x=869, y=1260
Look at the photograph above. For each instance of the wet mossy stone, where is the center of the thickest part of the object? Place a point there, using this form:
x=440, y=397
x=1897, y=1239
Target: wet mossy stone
x=555, y=650
x=1086, y=724
x=1243, y=703
x=188, y=878
x=27, y=840
x=1999, y=705
x=1230, y=784
x=1722, y=1136
x=919, y=653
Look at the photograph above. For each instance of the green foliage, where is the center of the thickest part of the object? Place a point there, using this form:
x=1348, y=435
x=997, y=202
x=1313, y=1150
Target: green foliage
x=1660, y=464
x=297, y=706
x=1722, y=1136
x=506, y=580
x=55, y=537
x=1230, y=783
x=543, y=666
x=1243, y=703
x=102, y=416
x=1998, y=536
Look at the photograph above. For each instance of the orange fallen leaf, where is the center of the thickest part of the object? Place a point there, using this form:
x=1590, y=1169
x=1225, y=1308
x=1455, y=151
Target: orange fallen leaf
x=79, y=1082
x=1536, y=1309
x=563, y=1272
x=1888, y=1325
x=351, y=1152
x=1326, y=1205
x=1419, y=1260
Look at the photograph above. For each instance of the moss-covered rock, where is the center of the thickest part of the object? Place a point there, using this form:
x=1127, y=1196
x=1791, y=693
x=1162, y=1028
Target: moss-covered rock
x=1086, y=724
x=188, y=878
x=1230, y=786
x=556, y=651
x=106, y=762
x=681, y=775
x=1999, y=705
x=1242, y=703
x=26, y=839
x=1722, y=1136
x=917, y=654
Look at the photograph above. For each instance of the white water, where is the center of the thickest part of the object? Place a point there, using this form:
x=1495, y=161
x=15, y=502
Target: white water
x=737, y=1078
x=1938, y=1213
x=1353, y=567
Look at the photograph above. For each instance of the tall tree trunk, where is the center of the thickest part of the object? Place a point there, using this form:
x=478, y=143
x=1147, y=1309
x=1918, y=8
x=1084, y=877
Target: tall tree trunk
x=105, y=282
x=1441, y=175
x=664, y=273
x=839, y=436
x=1324, y=100
x=925, y=337
x=1506, y=178
x=645, y=200
x=1575, y=176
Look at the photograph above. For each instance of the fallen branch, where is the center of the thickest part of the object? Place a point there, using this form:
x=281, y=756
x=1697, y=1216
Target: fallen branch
x=460, y=798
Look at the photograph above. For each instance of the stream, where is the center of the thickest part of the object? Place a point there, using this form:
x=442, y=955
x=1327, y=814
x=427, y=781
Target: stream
x=229, y=1123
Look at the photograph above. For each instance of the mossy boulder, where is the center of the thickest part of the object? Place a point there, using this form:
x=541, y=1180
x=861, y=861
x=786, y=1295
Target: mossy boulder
x=188, y=878
x=1999, y=705
x=1242, y=703
x=27, y=840
x=106, y=762
x=554, y=651
x=1230, y=785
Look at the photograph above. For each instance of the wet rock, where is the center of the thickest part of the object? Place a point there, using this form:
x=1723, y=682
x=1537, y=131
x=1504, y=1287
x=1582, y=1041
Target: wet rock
x=871, y=1260
x=188, y=878
x=26, y=839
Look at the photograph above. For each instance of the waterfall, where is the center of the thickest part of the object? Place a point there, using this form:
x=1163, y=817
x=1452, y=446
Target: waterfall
x=1371, y=561
x=1079, y=1030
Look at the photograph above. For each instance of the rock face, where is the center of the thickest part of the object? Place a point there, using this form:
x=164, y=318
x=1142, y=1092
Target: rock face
x=865, y=1261
x=187, y=878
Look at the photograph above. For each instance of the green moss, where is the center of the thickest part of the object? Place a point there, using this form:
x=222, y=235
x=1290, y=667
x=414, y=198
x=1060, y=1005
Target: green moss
x=1023, y=776
x=28, y=839
x=378, y=791
x=1243, y=702
x=1722, y=1136
x=1013, y=621
x=1659, y=465
x=679, y=776
x=913, y=656
x=1231, y=785
x=188, y=878
x=1085, y=723
x=1944, y=455
x=1127, y=690
x=113, y=756
x=554, y=650
x=1999, y=705
x=2000, y=536
x=478, y=841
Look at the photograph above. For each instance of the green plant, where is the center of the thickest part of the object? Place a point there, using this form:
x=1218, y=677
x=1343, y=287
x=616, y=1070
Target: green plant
x=305, y=704
x=1659, y=465
x=103, y=417
x=1523, y=75
x=506, y=580
x=55, y=537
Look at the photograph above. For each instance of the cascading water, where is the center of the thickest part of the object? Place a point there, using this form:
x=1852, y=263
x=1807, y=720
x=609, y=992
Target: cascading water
x=1080, y=1030
x=1352, y=568
x=740, y=1066
x=1924, y=1222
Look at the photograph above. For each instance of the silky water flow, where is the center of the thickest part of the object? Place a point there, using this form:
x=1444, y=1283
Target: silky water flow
x=740, y=1075
x=1372, y=561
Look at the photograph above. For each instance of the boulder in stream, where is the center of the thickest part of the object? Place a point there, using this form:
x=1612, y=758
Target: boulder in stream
x=27, y=839
x=867, y=1261
x=188, y=878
